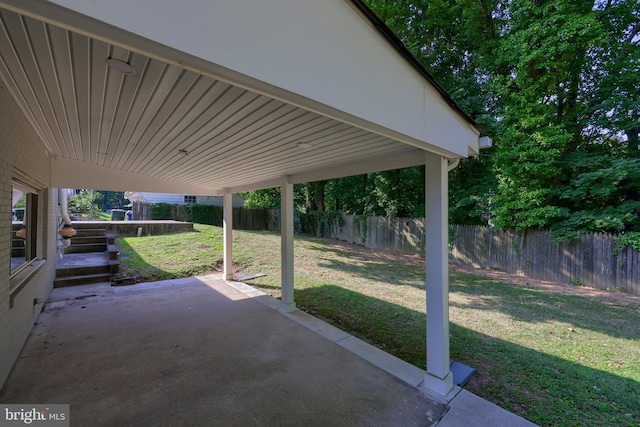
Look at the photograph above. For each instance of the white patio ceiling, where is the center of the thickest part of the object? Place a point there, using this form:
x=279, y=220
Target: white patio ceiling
x=171, y=128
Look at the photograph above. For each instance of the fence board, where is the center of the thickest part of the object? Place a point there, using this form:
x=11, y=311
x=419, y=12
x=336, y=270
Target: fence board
x=587, y=261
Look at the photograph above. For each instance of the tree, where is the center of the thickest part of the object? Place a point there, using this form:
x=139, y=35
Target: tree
x=452, y=40
x=111, y=200
x=270, y=198
x=315, y=195
x=562, y=116
x=555, y=84
x=85, y=201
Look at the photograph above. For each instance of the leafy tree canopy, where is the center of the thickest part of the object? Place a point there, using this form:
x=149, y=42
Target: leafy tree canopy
x=85, y=201
x=555, y=83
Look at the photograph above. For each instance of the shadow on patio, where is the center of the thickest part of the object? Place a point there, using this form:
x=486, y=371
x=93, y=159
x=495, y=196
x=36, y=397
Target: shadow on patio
x=197, y=351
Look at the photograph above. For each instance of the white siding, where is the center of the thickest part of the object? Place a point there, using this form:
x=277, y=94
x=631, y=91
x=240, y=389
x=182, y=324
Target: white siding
x=178, y=199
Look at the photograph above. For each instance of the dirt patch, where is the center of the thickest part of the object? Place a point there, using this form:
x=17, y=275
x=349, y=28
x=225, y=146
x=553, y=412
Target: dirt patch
x=553, y=287
x=499, y=276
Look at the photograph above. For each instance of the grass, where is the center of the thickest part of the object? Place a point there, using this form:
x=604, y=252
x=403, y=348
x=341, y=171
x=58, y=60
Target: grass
x=557, y=360
x=171, y=255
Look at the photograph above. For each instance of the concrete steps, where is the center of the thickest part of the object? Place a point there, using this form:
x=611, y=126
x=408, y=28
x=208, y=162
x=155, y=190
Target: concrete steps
x=82, y=279
x=82, y=248
x=88, y=239
x=91, y=258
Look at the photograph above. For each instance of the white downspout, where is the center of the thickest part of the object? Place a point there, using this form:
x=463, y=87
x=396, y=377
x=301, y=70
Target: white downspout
x=66, y=220
x=64, y=205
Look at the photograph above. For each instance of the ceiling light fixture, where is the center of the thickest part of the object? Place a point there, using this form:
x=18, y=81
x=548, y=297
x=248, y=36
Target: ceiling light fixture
x=121, y=66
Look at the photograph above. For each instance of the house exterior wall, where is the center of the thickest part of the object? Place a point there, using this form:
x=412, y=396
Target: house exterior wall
x=21, y=149
x=178, y=199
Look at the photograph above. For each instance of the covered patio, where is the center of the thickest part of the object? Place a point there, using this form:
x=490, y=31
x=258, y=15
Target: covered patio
x=202, y=351
x=215, y=99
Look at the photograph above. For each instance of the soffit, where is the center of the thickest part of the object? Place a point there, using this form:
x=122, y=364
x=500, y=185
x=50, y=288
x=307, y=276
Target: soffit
x=166, y=122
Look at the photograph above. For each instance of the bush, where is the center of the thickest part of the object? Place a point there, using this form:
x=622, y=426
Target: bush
x=204, y=214
x=160, y=210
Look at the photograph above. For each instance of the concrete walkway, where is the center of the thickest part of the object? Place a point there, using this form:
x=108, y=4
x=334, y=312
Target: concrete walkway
x=203, y=352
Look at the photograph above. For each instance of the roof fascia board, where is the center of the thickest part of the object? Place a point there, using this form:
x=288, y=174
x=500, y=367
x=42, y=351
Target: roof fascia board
x=395, y=41
x=400, y=161
x=67, y=173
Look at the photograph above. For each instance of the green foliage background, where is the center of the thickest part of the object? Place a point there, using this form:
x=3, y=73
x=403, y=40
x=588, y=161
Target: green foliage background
x=554, y=83
x=201, y=214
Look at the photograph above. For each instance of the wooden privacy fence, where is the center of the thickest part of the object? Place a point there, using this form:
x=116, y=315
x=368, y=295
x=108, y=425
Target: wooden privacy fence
x=588, y=261
x=243, y=219
x=140, y=211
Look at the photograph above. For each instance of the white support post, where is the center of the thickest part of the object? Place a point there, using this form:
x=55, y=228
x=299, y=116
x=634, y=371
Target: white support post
x=287, y=303
x=227, y=231
x=438, y=378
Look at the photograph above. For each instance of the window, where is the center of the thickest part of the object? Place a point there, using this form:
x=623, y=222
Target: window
x=190, y=200
x=25, y=224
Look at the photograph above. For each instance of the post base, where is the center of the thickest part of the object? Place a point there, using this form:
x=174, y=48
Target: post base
x=287, y=307
x=439, y=387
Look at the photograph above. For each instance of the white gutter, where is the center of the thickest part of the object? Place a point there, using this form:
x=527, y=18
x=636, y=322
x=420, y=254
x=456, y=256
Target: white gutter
x=452, y=164
x=483, y=142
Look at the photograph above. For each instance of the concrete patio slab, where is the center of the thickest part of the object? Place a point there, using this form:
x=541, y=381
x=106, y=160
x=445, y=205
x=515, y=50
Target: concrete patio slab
x=202, y=351
x=199, y=352
x=467, y=409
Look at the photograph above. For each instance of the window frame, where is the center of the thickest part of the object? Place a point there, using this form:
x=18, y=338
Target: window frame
x=190, y=200
x=33, y=221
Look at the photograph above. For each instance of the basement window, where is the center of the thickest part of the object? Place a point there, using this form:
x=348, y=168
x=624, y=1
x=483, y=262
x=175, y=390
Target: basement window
x=28, y=232
x=26, y=224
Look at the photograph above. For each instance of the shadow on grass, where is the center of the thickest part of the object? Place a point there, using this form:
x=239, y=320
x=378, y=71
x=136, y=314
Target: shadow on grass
x=133, y=265
x=386, y=272
x=375, y=265
x=535, y=306
x=544, y=389
x=194, y=259
x=527, y=305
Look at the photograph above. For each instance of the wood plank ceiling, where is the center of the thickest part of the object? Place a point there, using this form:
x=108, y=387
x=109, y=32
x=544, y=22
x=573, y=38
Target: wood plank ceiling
x=164, y=121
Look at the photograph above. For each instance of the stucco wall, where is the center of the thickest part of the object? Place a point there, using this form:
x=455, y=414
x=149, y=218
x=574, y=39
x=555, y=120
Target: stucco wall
x=20, y=148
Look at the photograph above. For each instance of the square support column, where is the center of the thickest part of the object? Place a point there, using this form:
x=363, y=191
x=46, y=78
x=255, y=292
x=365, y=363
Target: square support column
x=227, y=232
x=287, y=303
x=438, y=378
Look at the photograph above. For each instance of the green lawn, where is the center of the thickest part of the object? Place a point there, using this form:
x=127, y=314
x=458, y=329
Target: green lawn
x=553, y=359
